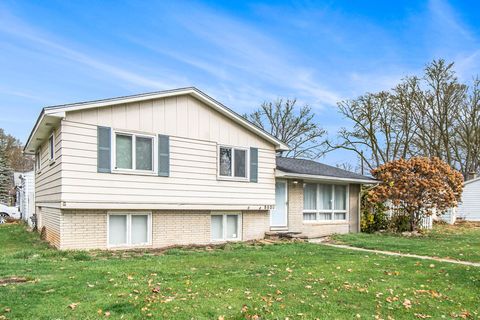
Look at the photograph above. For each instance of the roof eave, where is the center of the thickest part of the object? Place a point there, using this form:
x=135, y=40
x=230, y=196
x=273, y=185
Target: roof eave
x=43, y=120
x=290, y=175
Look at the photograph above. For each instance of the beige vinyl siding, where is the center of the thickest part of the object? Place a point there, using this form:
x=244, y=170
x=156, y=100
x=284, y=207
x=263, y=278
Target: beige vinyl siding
x=48, y=181
x=51, y=221
x=194, y=131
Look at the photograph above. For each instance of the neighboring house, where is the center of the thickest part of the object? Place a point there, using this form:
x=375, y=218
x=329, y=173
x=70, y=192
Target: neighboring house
x=469, y=207
x=17, y=183
x=26, y=194
x=171, y=168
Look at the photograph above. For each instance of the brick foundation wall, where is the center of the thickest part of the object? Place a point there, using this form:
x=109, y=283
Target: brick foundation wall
x=87, y=229
x=255, y=224
x=84, y=229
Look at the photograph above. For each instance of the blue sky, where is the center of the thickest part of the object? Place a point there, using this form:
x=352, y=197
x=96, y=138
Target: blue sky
x=241, y=53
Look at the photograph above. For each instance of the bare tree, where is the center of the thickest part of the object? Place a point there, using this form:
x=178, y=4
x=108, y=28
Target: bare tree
x=293, y=125
x=466, y=146
x=436, y=111
x=381, y=130
x=433, y=116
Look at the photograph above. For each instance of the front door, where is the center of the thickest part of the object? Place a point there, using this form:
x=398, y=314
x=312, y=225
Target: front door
x=278, y=216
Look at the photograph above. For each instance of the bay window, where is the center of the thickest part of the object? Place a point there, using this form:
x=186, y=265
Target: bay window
x=232, y=162
x=225, y=227
x=134, y=152
x=324, y=202
x=129, y=229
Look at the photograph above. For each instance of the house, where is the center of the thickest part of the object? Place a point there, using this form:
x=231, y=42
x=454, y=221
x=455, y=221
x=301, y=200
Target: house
x=16, y=187
x=26, y=196
x=171, y=168
x=469, y=206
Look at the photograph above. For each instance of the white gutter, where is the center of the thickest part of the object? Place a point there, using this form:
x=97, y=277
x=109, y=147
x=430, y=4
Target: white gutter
x=287, y=175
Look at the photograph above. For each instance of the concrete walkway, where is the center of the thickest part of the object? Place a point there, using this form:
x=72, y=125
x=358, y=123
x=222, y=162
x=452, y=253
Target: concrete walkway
x=398, y=254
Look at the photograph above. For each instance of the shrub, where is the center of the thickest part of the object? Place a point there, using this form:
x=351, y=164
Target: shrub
x=400, y=223
x=373, y=216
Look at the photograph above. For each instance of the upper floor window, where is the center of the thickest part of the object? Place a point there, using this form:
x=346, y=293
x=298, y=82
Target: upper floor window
x=134, y=152
x=38, y=160
x=51, y=147
x=232, y=162
x=323, y=202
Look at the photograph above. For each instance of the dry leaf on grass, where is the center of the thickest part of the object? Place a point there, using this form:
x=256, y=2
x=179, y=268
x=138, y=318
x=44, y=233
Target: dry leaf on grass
x=73, y=305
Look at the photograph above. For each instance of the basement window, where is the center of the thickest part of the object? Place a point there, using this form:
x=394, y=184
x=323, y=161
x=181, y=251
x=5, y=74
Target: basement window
x=129, y=229
x=225, y=227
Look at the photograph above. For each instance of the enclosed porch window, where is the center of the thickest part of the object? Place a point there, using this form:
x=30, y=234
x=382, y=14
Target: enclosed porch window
x=324, y=202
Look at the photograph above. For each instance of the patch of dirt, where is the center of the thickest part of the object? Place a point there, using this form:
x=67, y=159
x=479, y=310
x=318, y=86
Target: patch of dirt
x=128, y=253
x=13, y=279
x=467, y=224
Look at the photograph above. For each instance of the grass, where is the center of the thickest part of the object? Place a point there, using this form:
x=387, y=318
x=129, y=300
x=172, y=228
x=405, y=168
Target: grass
x=461, y=242
x=239, y=281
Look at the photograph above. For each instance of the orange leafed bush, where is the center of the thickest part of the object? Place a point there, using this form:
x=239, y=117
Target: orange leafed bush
x=418, y=186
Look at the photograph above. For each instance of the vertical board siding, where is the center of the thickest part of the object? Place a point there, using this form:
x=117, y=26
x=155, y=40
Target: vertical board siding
x=194, y=131
x=354, y=210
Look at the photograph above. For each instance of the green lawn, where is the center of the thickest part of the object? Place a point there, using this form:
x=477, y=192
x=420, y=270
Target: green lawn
x=460, y=242
x=294, y=280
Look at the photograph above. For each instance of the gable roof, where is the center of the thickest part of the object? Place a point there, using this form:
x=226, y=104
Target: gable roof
x=50, y=116
x=301, y=168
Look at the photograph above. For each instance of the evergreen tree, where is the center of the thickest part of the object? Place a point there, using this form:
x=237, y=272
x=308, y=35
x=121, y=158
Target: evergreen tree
x=5, y=176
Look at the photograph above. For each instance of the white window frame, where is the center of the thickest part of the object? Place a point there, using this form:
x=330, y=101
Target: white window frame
x=51, y=147
x=38, y=161
x=232, y=176
x=332, y=200
x=224, y=226
x=129, y=228
x=134, y=135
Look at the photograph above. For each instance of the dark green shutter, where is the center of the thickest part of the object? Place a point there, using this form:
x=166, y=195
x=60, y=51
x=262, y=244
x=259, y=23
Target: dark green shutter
x=104, y=146
x=163, y=155
x=253, y=164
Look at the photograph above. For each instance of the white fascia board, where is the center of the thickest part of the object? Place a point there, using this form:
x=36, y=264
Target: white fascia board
x=286, y=175
x=42, y=121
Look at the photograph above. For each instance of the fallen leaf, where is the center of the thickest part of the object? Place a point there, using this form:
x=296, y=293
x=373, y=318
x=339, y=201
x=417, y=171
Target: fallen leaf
x=73, y=305
x=407, y=304
x=422, y=316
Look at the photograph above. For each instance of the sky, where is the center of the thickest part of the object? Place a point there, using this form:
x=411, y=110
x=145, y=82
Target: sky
x=241, y=53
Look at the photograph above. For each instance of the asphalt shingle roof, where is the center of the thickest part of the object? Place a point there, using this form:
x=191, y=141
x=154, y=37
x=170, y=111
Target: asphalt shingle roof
x=302, y=166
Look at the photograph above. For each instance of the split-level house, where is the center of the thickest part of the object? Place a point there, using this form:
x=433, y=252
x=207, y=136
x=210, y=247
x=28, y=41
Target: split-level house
x=176, y=167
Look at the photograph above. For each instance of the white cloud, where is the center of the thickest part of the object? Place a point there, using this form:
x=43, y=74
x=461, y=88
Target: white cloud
x=20, y=30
